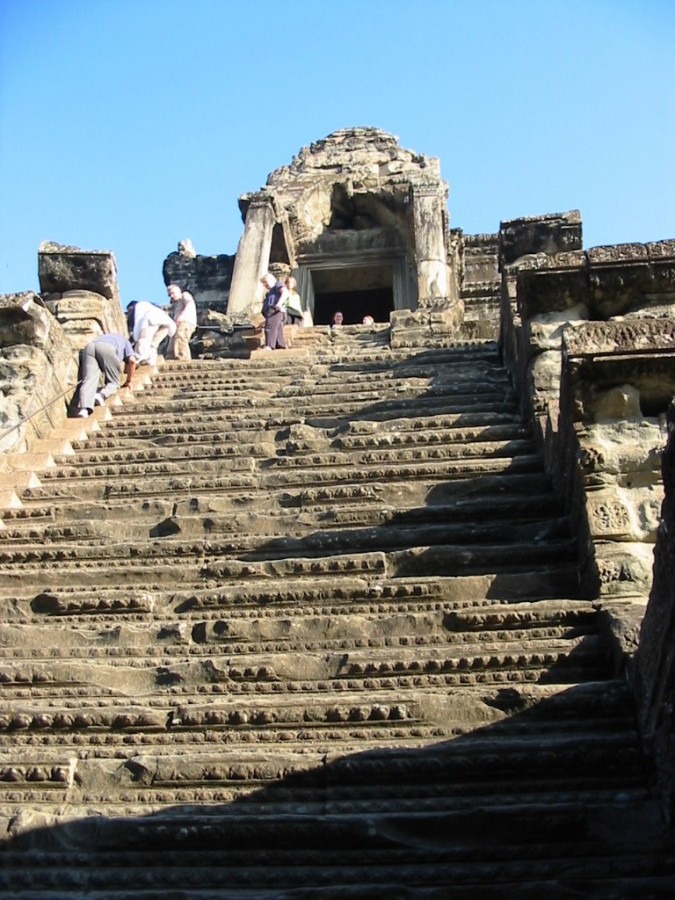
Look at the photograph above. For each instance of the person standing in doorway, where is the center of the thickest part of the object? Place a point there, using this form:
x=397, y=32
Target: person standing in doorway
x=292, y=304
x=273, y=312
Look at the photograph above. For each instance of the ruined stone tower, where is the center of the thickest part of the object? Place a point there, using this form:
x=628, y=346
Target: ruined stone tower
x=363, y=618
x=359, y=221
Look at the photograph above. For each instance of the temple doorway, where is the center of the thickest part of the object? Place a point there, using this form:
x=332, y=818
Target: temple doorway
x=356, y=291
x=354, y=305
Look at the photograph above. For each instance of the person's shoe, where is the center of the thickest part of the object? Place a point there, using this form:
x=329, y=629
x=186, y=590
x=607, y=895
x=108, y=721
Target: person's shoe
x=99, y=400
x=83, y=414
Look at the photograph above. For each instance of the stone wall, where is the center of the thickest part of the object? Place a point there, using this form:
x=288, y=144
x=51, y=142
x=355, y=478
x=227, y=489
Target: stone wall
x=588, y=336
x=41, y=334
x=207, y=278
x=38, y=365
x=478, y=269
x=654, y=670
x=80, y=288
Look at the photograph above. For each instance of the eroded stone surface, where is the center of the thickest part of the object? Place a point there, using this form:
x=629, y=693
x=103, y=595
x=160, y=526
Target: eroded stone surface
x=37, y=364
x=354, y=203
x=235, y=607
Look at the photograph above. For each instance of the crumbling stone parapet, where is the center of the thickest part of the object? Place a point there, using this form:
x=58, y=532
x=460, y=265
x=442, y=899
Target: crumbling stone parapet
x=80, y=288
x=38, y=370
x=207, y=278
x=354, y=204
x=553, y=233
x=425, y=327
x=589, y=337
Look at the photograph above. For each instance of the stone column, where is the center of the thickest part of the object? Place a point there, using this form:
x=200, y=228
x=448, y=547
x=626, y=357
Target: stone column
x=253, y=255
x=428, y=202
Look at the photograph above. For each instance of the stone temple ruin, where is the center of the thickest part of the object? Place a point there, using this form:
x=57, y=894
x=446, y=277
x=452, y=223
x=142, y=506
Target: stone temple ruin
x=387, y=614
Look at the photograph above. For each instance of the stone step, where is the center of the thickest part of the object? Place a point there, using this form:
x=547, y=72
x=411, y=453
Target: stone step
x=279, y=474
x=533, y=725
x=164, y=640
x=162, y=561
x=345, y=875
x=387, y=362
x=273, y=518
x=261, y=440
x=129, y=436
x=460, y=352
x=311, y=619
x=523, y=770
x=223, y=427
x=335, y=407
x=356, y=593
x=298, y=446
x=389, y=613
x=482, y=497
x=466, y=377
x=202, y=458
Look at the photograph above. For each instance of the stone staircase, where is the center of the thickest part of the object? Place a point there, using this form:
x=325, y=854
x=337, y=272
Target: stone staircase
x=308, y=625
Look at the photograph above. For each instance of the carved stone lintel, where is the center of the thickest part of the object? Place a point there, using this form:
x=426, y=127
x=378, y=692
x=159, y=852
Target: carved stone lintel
x=625, y=337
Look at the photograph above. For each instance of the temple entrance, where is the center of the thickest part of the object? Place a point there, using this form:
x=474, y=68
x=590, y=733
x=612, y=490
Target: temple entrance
x=356, y=291
x=354, y=305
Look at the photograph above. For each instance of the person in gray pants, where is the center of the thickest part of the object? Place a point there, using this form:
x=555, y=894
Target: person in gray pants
x=104, y=355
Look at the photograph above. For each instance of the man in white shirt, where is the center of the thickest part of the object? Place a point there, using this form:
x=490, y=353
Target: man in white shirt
x=150, y=326
x=184, y=312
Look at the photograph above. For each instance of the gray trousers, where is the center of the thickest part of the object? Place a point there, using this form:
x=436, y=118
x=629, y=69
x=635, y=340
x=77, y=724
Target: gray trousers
x=97, y=358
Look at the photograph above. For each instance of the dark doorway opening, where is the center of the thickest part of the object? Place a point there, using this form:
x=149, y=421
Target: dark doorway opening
x=356, y=291
x=354, y=305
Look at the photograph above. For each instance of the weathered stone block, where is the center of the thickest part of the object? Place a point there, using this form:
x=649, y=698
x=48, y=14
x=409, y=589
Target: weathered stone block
x=62, y=269
x=541, y=292
x=624, y=568
x=637, y=335
x=540, y=234
x=545, y=332
x=208, y=278
x=37, y=365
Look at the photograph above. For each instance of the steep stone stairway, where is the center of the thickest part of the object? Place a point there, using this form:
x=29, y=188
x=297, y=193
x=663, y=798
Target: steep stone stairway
x=308, y=625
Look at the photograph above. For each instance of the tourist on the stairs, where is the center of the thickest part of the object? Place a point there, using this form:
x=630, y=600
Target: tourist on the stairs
x=149, y=326
x=104, y=355
x=273, y=312
x=184, y=312
x=292, y=303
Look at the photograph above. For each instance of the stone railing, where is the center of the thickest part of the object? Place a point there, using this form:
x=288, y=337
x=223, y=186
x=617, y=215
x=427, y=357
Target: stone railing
x=588, y=337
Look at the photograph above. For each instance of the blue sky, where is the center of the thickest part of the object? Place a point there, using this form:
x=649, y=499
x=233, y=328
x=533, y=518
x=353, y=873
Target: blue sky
x=128, y=125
